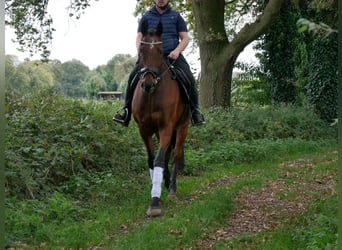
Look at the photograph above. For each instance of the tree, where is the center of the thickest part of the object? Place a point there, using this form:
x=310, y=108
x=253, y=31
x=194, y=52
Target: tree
x=218, y=53
x=322, y=49
x=33, y=25
x=57, y=70
x=93, y=84
x=116, y=70
x=218, y=49
x=74, y=73
x=10, y=69
x=278, y=47
x=29, y=75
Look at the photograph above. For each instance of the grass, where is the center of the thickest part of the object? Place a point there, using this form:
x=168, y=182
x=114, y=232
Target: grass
x=198, y=211
x=102, y=201
x=206, y=210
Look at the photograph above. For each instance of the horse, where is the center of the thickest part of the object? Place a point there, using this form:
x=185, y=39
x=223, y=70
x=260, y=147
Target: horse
x=159, y=109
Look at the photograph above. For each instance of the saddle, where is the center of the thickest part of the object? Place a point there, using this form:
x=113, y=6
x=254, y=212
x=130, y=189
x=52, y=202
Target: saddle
x=183, y=81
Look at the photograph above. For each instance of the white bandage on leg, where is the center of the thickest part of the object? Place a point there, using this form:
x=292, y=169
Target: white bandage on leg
x=156, y=182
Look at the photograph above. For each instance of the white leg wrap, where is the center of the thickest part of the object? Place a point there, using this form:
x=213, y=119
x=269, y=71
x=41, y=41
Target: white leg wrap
x=151, y=174
x=156, y=182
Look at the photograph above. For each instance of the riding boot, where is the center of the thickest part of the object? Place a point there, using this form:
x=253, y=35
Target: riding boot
x=197, y=117
x=123, y=115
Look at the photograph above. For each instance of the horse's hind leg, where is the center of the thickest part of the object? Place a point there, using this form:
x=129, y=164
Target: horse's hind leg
x=166, y=169
x=177, y=165
x=178, y=158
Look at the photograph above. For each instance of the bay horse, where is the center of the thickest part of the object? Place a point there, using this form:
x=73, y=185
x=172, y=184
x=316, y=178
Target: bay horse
x=159, y=109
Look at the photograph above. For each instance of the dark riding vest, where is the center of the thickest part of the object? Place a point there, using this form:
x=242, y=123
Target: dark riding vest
x=173, y=23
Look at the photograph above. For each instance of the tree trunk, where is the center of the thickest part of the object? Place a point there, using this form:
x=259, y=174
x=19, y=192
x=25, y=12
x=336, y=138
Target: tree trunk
x=217, y=53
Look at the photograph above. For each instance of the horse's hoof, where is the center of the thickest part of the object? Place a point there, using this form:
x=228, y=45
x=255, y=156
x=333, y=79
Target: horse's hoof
x=172, y=193
x=154, y=209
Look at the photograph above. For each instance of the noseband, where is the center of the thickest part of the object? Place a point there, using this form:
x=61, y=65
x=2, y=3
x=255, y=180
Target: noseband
x=155, y=72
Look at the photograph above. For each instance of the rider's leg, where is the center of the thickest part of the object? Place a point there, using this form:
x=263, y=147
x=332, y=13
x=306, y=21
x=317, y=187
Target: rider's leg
x=123, y=115
x=197, y=117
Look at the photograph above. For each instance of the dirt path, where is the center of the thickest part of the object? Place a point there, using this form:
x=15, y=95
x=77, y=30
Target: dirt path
x=281, y=200
x=278, y=202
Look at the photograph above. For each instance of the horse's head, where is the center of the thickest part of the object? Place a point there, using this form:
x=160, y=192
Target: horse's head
x=150, y=56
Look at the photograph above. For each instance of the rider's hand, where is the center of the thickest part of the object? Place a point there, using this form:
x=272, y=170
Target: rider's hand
x=173, y=55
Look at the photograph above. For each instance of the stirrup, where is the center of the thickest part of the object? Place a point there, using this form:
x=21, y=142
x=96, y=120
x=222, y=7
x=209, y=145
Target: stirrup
x=197, y=118
x=121, y=118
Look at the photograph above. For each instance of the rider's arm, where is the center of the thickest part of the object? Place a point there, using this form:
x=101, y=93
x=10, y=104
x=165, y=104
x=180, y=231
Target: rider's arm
x=184, y=37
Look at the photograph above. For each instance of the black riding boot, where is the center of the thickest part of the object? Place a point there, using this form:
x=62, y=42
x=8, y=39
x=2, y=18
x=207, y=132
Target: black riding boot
x=197, y=117
x=123, y=115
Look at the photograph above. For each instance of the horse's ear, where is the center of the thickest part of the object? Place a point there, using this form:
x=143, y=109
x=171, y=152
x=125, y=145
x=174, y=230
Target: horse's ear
x=159, y=29
x=144, y=27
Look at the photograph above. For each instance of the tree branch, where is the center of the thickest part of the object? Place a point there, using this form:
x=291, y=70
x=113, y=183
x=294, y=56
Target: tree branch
x=251, y=32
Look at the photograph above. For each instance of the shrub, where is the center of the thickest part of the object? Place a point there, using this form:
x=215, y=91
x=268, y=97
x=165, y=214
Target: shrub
x=50, y=138
x=54, y=143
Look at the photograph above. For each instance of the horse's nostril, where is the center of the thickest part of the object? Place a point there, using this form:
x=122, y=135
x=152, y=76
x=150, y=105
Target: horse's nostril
x=148, y=87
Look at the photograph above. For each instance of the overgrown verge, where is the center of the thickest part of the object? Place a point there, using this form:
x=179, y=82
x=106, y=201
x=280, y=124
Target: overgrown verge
x=70, y=169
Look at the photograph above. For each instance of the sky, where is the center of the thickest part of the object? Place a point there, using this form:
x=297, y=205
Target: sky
x=107, y=28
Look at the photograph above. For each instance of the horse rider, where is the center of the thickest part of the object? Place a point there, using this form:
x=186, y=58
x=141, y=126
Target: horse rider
x=175, y=39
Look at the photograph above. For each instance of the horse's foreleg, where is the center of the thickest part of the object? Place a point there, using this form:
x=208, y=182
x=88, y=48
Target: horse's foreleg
x=158, y=169
x=150, y=152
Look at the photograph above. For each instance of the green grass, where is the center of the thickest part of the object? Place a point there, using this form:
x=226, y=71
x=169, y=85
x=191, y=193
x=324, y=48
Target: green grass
x=86, y=184
x=198, y=210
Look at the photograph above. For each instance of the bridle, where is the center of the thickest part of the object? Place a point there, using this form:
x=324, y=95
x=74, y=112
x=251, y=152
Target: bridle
x=155, y=72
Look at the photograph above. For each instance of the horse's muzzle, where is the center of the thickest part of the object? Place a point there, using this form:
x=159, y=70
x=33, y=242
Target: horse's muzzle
x=149, y=85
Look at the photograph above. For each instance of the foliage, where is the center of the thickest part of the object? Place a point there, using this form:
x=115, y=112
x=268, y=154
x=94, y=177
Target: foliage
x=321, y=89
x=71, y=78
x=67, y=157
x=322, y=85
x=268, y=122
x=323, y=221
x=250, y=87
x=42, y=123
x=34, y=26
x=218, y=27
x=74, y=73
x=277, y=56
x=300, y=67
x=317, y=28
x=27, y=75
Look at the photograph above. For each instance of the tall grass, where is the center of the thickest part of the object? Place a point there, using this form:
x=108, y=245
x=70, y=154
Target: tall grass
x=74, y=178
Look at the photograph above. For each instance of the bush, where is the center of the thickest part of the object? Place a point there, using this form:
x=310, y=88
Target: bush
x=54, y=143
x=253, y=123
x=51, y=138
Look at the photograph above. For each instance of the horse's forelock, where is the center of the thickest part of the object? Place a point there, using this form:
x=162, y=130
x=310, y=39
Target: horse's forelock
x=152, y=32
